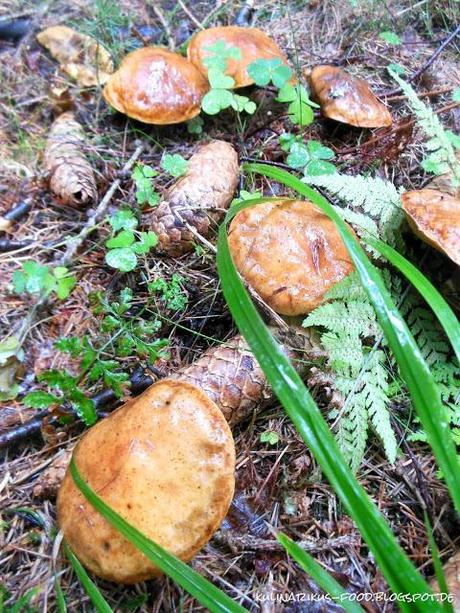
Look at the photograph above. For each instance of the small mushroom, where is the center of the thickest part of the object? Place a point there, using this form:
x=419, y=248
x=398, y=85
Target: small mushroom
x=253, y=44
x=165, y=462
x=290, y=252
x=435, y=218
x=156, y=86
x=347, y=99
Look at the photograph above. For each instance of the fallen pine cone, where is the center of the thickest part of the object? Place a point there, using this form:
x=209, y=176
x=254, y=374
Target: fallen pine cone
x=70, y=174
x=197, y=201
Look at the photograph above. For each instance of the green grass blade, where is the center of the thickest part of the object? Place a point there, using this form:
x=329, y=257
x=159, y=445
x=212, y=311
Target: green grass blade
x=304, y=413
x=438, y=570
x=319, y=574
x=98, y=600
x=205, y=592
x=414, y=370
x=60, y=600
x=438, y=304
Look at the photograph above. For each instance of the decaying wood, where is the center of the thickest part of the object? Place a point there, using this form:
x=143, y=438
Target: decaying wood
x=70, y=174
x=79, y=55
x=198, y=200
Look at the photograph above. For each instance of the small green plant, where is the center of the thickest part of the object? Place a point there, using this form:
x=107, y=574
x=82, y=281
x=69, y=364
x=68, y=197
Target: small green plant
x=128, y=243
x=390, y=37
x=195, y=126
x=300, y=107
x=69, y=391
x=270, y=437
x=174, y=164
x=35, y=278
x=172, y=292
x=142, y=176
x=442, y=144
x=220, y=96
x=311, y=157
x=106, y=25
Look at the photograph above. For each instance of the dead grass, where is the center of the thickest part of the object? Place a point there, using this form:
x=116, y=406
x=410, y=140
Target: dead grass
x=279, y=484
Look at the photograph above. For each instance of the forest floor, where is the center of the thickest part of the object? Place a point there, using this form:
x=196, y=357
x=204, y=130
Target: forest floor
x=280, y=483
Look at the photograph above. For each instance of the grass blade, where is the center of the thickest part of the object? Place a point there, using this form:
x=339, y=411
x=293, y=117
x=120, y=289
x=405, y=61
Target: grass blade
x=98, y=600
x=438, y=304
x=319, y=574
x=414, y=370
x=205, y=592
x=60, y=600
x=438, y=570
x=304, y=413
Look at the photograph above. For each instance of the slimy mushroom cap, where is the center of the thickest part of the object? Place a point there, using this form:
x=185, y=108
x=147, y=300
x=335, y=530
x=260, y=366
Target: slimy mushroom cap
x=290, y=252
x=347, y=99
x=165, y=462
x=435, y=218
x=156, y=86
x=252, y=42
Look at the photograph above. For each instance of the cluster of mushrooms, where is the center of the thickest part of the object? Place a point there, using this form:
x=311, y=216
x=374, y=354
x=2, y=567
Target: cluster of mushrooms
x=165, y=460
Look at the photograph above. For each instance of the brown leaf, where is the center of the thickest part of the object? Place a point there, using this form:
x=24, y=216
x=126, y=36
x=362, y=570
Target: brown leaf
x=79, y=55
x=71, y=176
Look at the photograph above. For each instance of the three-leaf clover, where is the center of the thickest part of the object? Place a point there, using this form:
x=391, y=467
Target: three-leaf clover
x=35, y=278
x=270, y=437
x=142, y=176
x=265, y=70
x=124, y=219
x=219, y=53
x=126, y=246
x=311, y=157
x=174, y=164
x=300, y=106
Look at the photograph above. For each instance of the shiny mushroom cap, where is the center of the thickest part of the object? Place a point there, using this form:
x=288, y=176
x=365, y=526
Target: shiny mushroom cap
x=253, y=43
x=156, y=86
x=347, y=99
x=165, y=462
x=435, y=218
x=290, y=252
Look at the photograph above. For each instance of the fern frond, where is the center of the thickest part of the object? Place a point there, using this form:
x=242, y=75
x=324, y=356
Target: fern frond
x=378, y=199
x=443, y=158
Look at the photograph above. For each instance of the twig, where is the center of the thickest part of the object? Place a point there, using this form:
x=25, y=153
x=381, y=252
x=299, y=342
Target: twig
x=139, y=382
x=244, y=15
x=14, y=214
x=91, y=223
x=189, y=14
x=414, y=76
x=159, y=13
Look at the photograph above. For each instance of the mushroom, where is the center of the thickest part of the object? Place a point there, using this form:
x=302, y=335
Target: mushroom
x=253, y=44
x=290, y=252
x=435, y=218
x=156, y=86
x=346, y=98
x=164, y=461
x=451, y=570
x=197, y=201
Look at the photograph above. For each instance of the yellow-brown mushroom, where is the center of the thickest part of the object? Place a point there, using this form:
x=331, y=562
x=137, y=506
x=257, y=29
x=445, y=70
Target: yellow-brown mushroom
x=156, y=86
x=290, y=252
x=451, y=571
x=347, y=99
x=435, y=218
x=165, y=462
x=253, y=44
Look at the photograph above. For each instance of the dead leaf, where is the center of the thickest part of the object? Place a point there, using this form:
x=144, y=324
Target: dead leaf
x=80, y=56
x=11, y=356
x=71, y=176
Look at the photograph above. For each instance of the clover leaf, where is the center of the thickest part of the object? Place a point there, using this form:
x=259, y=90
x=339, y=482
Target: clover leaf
x=265, y=70
x=174, y=164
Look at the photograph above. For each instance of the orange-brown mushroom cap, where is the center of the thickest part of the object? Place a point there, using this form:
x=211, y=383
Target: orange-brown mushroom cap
x=165, y=462
x=290, y=252
x=156, y=86
x=253, y=43
x=435, y=218
x=346, y=98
